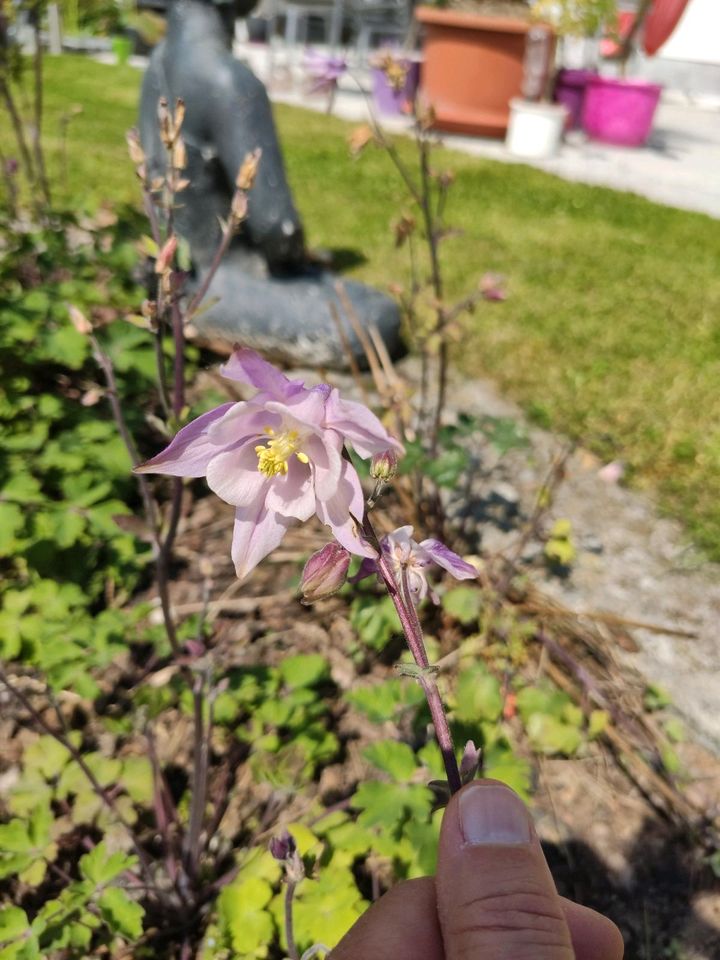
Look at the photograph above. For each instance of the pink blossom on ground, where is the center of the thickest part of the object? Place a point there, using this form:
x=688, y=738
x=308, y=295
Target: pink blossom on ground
x=411, y=560
x=278, y=458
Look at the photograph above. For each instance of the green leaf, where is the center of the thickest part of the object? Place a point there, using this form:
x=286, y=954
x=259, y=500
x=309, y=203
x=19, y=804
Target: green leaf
x=505, y=766
x=477, y=696
x=47, y=756
x=384, y=701
x=304, y=669
x=122, y=915
x=447, y=469
x=100, y=866
x=12, y=521
x=656, y=698
x=137, y=779
x=598, y=723
x=675, y=729
x=242, y=912
x=463, y=603
x=504, y=433
x=549, y=735
x=375, y=620
x=395, y=759
x=386, y=805
x=13, y=923
x=542, y=699
x=325, y=908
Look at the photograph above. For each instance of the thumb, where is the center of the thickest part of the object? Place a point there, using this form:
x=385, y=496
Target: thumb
x=496, y=896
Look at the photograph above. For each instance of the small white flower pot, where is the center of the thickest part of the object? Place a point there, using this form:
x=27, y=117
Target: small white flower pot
x=535, y=129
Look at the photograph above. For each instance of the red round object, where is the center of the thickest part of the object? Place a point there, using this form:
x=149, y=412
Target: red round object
x=660, y=23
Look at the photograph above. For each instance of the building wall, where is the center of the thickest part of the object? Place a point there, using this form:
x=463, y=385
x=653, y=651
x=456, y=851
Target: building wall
x=696, y=39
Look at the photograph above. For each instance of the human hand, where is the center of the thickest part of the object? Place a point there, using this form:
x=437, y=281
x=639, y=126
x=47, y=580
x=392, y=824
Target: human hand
x=493, y=898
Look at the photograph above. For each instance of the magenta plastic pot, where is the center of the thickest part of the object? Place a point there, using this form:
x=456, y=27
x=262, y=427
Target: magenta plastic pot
x=570, y=87
x=620, y=111
x=393, y=102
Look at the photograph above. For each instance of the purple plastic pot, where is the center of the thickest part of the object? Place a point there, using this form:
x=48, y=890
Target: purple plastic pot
x=570, y=92
x=620, y=111
x=390, y=101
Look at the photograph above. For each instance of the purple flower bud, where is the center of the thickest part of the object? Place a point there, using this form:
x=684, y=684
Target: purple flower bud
x=470, y=763
x=11, y=166
x=383, y=466
x=324, y=573
x=282, y=847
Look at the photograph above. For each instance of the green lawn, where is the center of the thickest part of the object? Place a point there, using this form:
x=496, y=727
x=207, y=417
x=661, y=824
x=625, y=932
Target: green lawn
x=611, y=332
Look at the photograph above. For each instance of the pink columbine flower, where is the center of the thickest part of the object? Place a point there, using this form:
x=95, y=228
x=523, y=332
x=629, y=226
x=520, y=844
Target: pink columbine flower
x=411, y=562
x=278, y=458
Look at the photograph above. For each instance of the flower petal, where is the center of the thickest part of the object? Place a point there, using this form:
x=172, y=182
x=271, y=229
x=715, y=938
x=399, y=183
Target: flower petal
x=366, y=569
x=358, y=425
x=234, y=476
x=444, y=557
x=256, y=533
x=243, y=420
x=249, y=367
x=326, y=463
x=190, y=450
x=344, y=510
x=292, y=495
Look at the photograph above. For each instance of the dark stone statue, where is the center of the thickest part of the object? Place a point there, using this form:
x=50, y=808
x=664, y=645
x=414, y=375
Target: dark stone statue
x=269, y=295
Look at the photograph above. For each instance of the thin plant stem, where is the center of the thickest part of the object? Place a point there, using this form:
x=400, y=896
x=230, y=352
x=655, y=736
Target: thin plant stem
x=202, y=290
x=38, y=105
x=10, y=185
x=289, y=928
x=100, y=791
x=105, y=364
x=17, y=124
x=402, y=601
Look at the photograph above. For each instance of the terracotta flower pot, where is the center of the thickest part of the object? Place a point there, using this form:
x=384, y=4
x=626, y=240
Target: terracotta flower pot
x=472, y=69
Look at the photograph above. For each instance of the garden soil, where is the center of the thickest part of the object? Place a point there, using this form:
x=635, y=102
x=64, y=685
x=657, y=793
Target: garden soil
x=609, y=845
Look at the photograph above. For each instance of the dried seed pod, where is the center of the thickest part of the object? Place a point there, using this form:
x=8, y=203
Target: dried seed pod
x=248, y=170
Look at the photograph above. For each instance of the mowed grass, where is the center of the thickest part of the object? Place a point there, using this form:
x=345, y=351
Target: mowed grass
x=611, y=330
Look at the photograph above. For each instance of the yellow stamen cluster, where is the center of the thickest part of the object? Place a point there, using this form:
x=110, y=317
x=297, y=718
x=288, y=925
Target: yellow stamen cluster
x=273, y=457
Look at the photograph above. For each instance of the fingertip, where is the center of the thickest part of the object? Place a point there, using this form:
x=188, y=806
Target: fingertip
x=594, y=936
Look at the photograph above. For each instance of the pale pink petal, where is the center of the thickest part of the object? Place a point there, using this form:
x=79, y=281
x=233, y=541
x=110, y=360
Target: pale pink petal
x=256, y=533
x=292, y=495
x=343, y=513
x=326, y=462
x=445, y=558
x=234, y=476
x=190, y=450
x=358, y=425
x=241, y=421
x=249, y=367
x=306, y=410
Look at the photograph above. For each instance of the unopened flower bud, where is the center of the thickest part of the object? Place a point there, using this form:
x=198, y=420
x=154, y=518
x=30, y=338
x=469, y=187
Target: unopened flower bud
x=178, y=116
x=179, y=154
x=165, y=257
x=164, y=122
x=324, y=573
x=79, y=320
x=470, y=763
x=383, y=466
x=248, y=170
x=359, y=138
x=282, y=846
x=137, y=154
x=239, y=206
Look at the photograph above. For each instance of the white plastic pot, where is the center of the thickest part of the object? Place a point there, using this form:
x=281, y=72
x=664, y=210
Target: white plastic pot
x=535, y=129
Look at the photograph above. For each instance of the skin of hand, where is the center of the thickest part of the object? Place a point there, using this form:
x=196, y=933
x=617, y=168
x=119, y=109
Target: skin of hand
x=493, y=897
